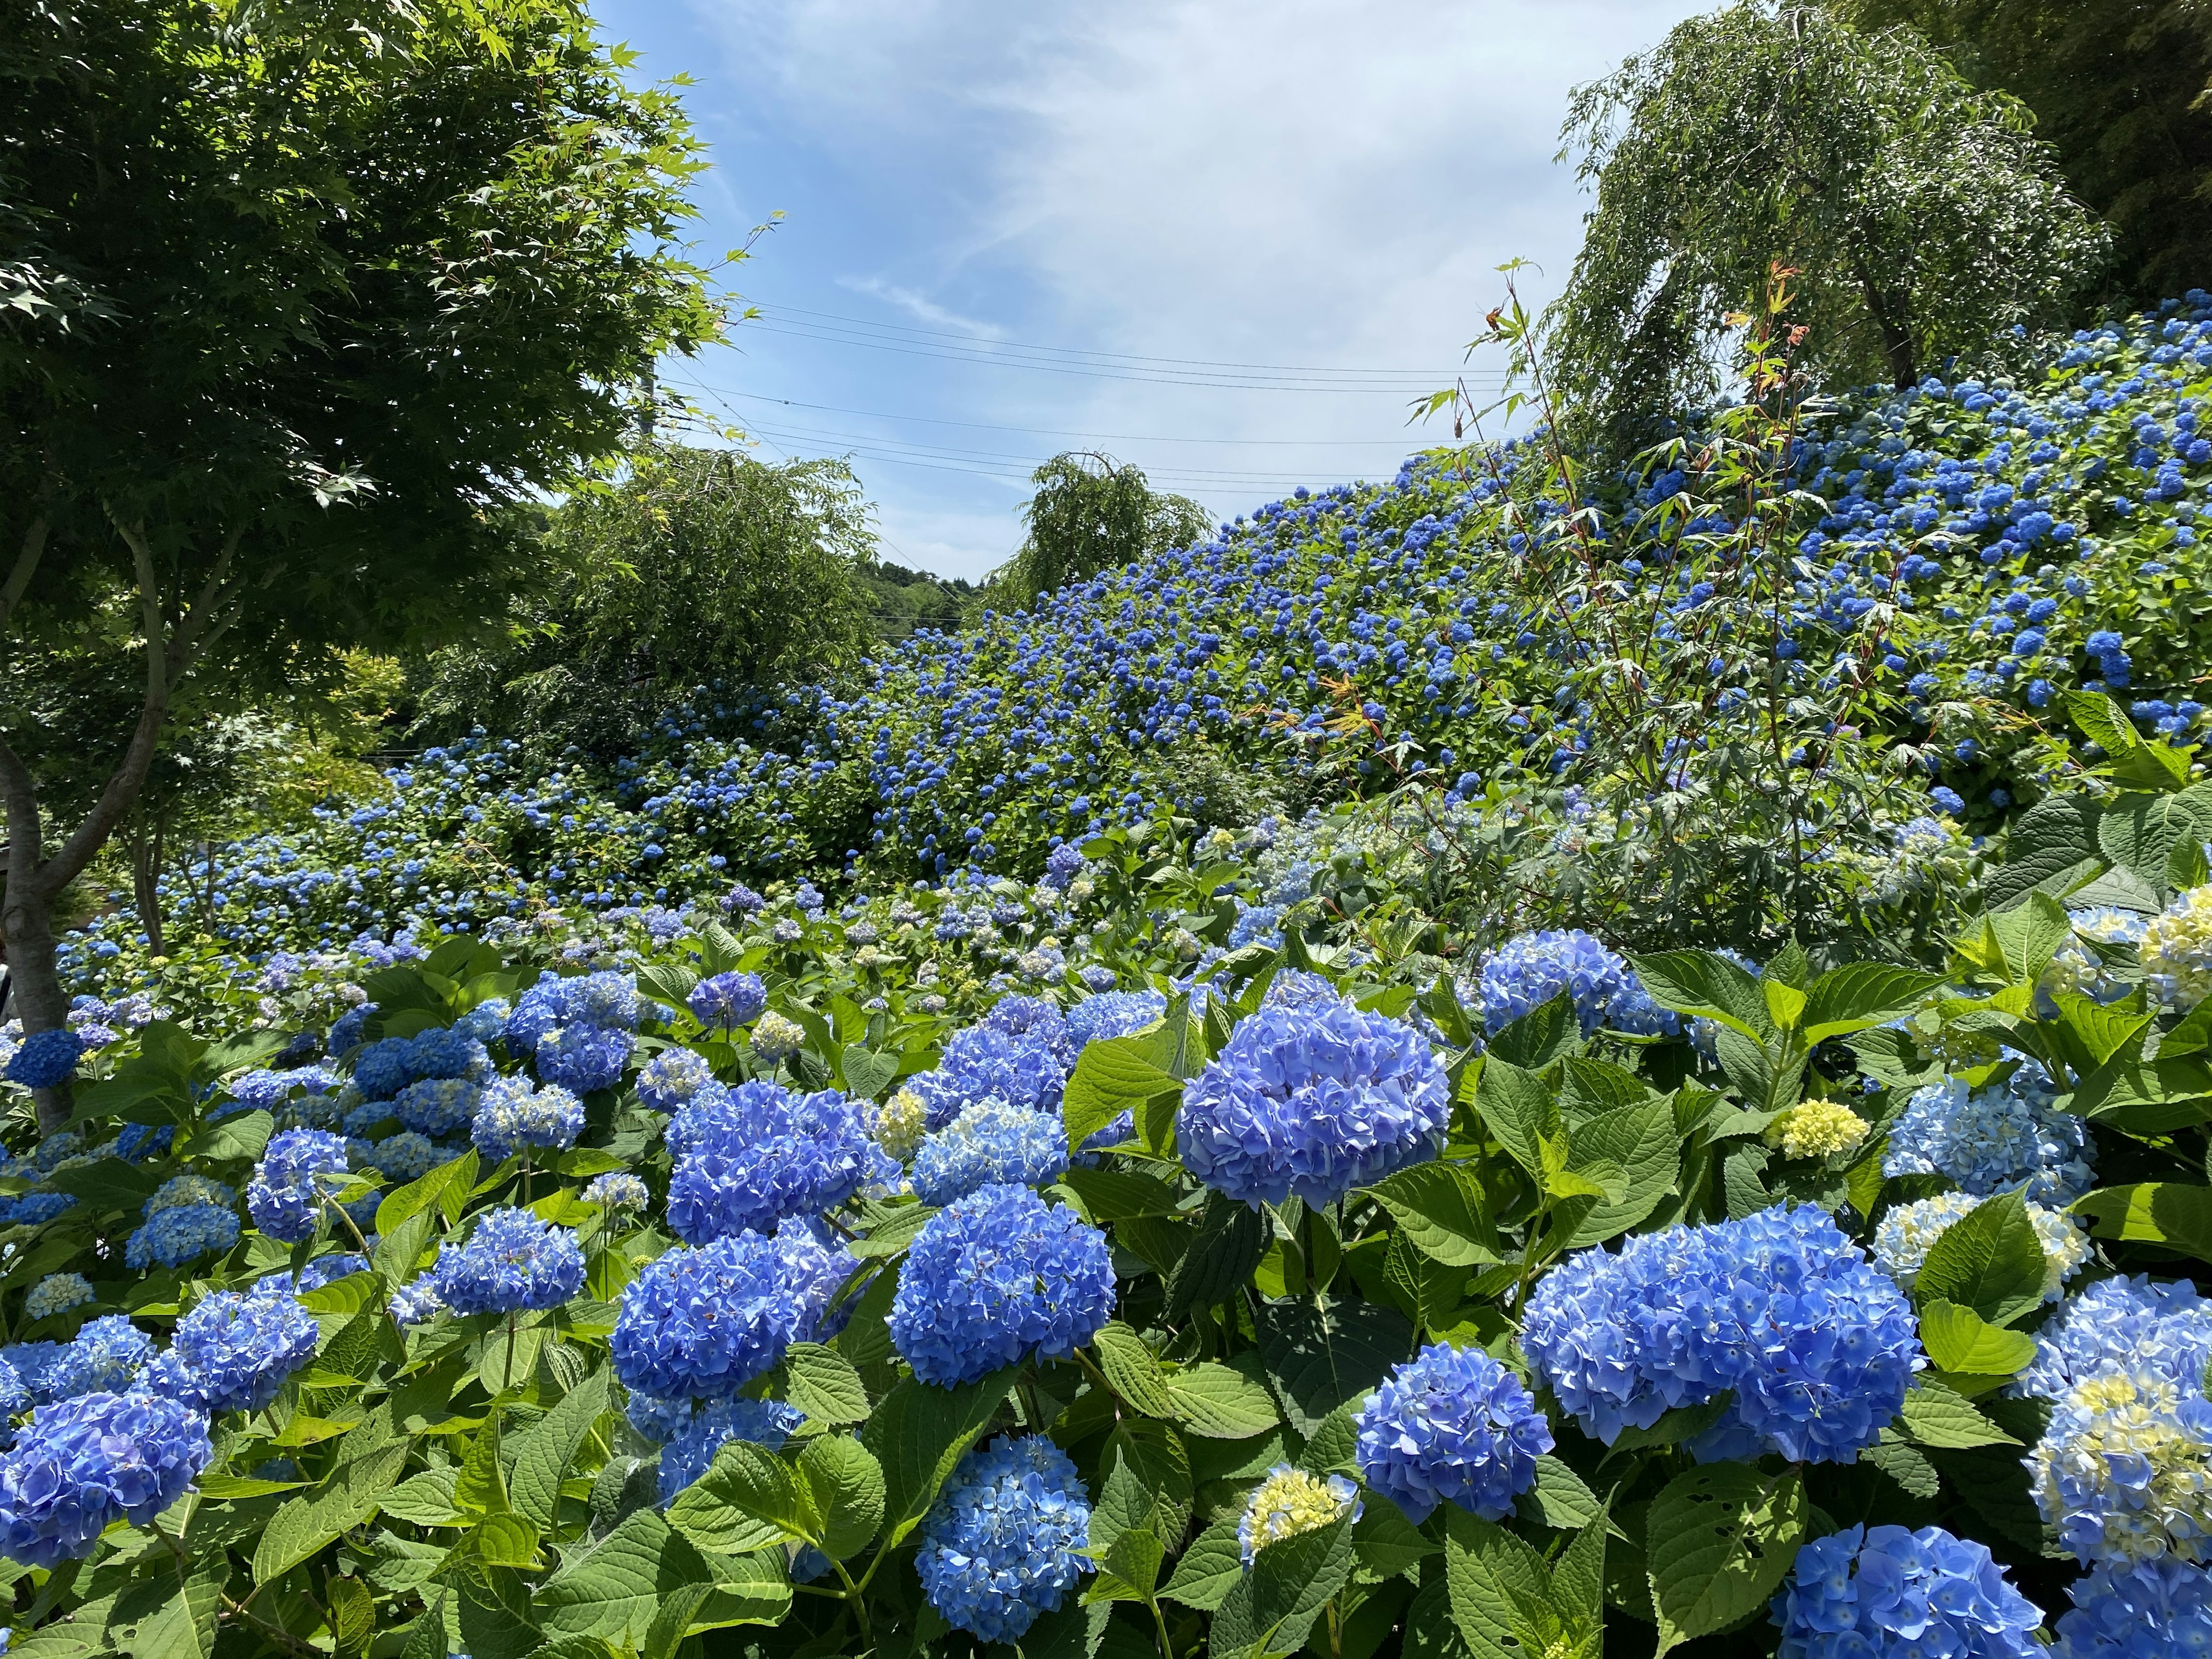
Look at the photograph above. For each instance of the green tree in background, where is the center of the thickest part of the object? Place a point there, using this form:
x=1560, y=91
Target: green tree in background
x=293, y=300
x=1092, y=512
x=1923, y=217
x=701, y=567
x=2122, y=90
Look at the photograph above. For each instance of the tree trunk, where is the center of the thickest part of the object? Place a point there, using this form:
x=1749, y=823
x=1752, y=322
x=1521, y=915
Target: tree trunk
x=1896, y=343
x=145, y=883
x=29, y=924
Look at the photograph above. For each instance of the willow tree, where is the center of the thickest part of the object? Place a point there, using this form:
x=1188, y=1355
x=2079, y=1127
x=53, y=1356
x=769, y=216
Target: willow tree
x=292, y=298
x=1924, y=219
x=1091, y=513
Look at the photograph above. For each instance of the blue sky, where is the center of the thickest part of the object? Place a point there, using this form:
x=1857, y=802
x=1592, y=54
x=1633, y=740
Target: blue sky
x=1226, y=241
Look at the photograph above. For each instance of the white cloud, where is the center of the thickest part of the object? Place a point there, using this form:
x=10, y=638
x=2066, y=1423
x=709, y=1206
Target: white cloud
x=920, y=306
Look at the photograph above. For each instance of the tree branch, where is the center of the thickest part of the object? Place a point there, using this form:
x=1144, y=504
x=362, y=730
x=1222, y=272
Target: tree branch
x=25, y=835
x=27, y=566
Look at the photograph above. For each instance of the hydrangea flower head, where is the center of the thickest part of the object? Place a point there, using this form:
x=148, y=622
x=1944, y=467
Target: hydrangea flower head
x=235, y=1351
x=46, y=1059
x=1289, y=1502
x=1312, y=1101
x=2123, y=1324
x=1908, y=1232
x=56, y=1293
x=1452, y=1426
x=814, y=1271
x=1004, y=1542
x=104, y=1357
x=994, y=1277
x=405, y=1157
x=512, y=1118
x=1818, y=1129
x=691, y=1448
x=511, y=1261
x=1294, y=987
x=1888, y=1593
x=658, y=1419
x=175, y=1237
x=990, y=1142
x=1999, y=1135
x=748, y=1157
x=2078, y=968
x=86, y=1462
x=900, y=1123
x=2176, y=949
x=296, y=1167
x=2138, y=1610
x=704, y=1322
x=671, y=1077
x=583, y=1057
x=2123, y=1471
x=775, y=1038
x=1527, y=971
x=1112, y=1014
x=436, y=1107
x=1780, y=1307
x=618, y=1189
x=414, y=1304
x=179, y=1191
x=726, y=1001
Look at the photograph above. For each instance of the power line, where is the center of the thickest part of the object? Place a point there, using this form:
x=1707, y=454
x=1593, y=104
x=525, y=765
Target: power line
x=941, y=452
x=1080, y=351
x=1398, y=444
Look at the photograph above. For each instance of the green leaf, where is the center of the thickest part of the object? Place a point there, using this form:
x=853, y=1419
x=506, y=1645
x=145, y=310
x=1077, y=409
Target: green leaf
x=919, y=1432
x=1221, y=1402
x=614, y=1592
x=348, y=1496
x=825, y=1385
x=893, y=1233
x=1859, y=995
x=1231, y=1239
x=847, y=1484
x=2141, y=833
x=1543, y=1036
x=1209, y=1569
x=1707, y=985
x=239, y=1139
x=2029, y=935
x=1643, y=1145
x=749, y=1499
x=542, y=1456
x=1906, y=1465
x=2103, y=1030
x=480, y=1488
x=1115, y=1075
x=1936, y=1416
x=2102, y=721
x=1292, y=1580
x=156, y=1617
x=2153, y=1211
x=1500, y=1589
x=868, y=1073
x=1520, y=1109
x=1674, y=1426
x=1438, y=1206
x=1563, y=1500
x=1959, y=1339
x=446, y=1185
x=1988, y=1260
x=2047, y=843
x=1132, y=1369
x=1387, y=1543
x=2146, y=1099
x=1321, y=1353
x=1719, y=1540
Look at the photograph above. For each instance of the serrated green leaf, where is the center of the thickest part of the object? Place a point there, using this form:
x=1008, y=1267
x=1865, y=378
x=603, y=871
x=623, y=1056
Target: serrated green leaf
x=542, y=1456
x=749, y=1498
x=1208, y=1569
x=919, y=1432
x=1936, y=1416
x=1719, y=1541
x=1132, y=1369
x=1959, y=1339
x=1221, y=1402
x=1438, y=1206
x=1988, y=1260
x=825, y=1385
x=2175, y=1213
x=1321, y=1353
x=847, y=1486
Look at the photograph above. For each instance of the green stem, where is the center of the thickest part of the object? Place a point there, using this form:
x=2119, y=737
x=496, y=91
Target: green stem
x=1160, y=1624
x=857, y=1601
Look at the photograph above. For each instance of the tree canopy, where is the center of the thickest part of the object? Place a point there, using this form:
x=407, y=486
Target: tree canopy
x=1092, y=512
x=292, y=298
x=1922, y=217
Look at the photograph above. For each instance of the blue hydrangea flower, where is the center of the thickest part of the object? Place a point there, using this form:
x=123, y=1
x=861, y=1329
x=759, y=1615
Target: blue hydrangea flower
x=172, y=1237
x=406, y=1155
x=414, y=1304
x=583, y=1057
x=322, y=1270
x=748, y=1157
x=658, y=1419
x=87, y=1462
x=345, y=1031
x=437, y=1107
x=726, y=1001
x=765, y=1422
x=1526, y=972
x=299, y=1092
x=1818, y=1345
x=618, y=1189
x=44, y=1059
x=56, y=1293
x=384, y=1067
x=139, y=1141
x=1453, y=1425
x=1887, y=1593
x=512, y=1260
x=814, y=1269
x=2123, y=1324
x=671, y=1077
x=994, y=1277
x=2124, y=1471
x=1025, y=1067
x=704, y=1322
x=296, y=1167
x=1290, y=1501
x=486, y=1023
x=1315, y=1101
x=33, y=1363
x=236, y=1351
x=1293, y=987
x=1997, y=1136
x=1112, y=1014
x=608, y=1000
x=1004, y=1540
x=104, y=1357
x=15, y=1396
x=990, y=1142
x=2151, y=1610
x=513, y=1117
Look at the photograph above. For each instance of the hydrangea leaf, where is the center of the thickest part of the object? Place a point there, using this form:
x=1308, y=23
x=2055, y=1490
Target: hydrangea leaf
x=1989, y=1260
x=1561, y=1498
x=825, y=1385
x=848, y=1486
x=1545, y=1035
x=1641, y=1145
x=866, y=1072
x=1384, y=1542
x=1904, y=1464
x=445, y=1186
x=1134, y=1370
x=542, y=1454
x=2155, y=1211
x=1719, y=1541
x=2147, y=1098
x=1289, y=1582
x=2141, y=833
x=1500, y=1589
x=1115, y=1075
x=1934, y=1415
x=1706, y=986
x=1519, y=1108
x=1860, y=995
x=1231, y=1239
x=749, y=1499
x=1321, y=1353
x=1439, y=1207
x=1207, y=1570
x=349, y=1496
x=1959, y=1339
x=1155, y=1454
x=236, y=1139
x=156, y=1617
x=615, y=1590
x=917, y=1432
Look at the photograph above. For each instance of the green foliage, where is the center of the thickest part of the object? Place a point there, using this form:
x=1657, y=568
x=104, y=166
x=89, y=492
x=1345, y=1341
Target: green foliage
x=1091, y=514
x=697, y=567
x=1921, y=218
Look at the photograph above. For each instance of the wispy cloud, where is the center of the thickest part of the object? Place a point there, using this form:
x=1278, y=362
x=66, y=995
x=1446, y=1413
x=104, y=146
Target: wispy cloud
x=920, y=306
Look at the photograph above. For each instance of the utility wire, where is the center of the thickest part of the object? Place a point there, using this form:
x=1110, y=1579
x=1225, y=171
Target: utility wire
x=1399, y=444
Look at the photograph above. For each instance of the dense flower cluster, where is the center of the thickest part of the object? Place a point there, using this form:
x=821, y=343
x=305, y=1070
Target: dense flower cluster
x=1527, y=972
x=2079, y=968
x=512, y=1118
x=235, y=1351
x=1779, y=1307
x=1890, y=1593
x=696, y=1436
x=1112, y=1014
x=725, y=1001
x=1908, y=1232
x=1004, y=1542
x=1818, y=1129
x=1999, y=1135
x=1290, y=1501
x=995, y=1277
x=2123, y=1324
x=44, y=1059
x=1451, y=1425
x=287, y=1190
x=1312, y=1101
x=86, y=1462
x=437, y=1107
x=2138, y=1610
x=989, y=1142
x=2124, y=1470
x=1019, y=1053
x=511, y=1261
x=671, y=1077
x=106, y=1357
x=746, y=1157
x=56, y=1293
x=704, y=1322
x=900, y=1124
x=2176, y=949
x=618, y=1189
